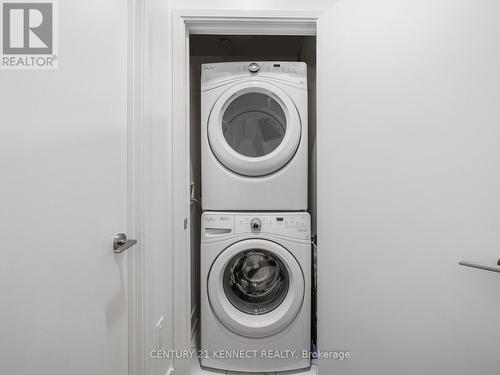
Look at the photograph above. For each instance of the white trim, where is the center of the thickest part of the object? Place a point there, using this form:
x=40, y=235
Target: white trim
x=184, y=23
x=135, y=188
x=247, y=22
x=181, y=192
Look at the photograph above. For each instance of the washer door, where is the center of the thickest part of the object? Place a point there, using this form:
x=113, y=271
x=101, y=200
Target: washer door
x=255, y=288
x=254, y=129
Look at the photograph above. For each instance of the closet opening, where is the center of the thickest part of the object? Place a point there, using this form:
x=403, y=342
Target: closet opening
x=248, y=49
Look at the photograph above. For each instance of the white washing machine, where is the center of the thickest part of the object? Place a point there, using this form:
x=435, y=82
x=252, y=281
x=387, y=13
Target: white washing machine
x=254, y=136
x=255, y=291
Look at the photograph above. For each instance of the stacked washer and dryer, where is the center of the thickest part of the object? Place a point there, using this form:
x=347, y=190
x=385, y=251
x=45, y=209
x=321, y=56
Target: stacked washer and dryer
x=255, y=235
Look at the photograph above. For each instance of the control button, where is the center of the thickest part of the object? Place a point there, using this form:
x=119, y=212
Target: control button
x=256, y=225
x=253, y=67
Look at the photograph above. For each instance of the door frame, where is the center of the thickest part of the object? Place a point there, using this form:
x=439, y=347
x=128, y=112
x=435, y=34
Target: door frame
x=185, y=23
x=135, y=188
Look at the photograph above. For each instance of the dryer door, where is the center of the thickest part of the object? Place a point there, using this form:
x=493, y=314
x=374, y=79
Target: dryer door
x=254, y=129
x=255, y=288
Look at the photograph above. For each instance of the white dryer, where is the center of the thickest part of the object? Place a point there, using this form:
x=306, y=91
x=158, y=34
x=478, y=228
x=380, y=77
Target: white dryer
x=255, y=291
x=254, y=136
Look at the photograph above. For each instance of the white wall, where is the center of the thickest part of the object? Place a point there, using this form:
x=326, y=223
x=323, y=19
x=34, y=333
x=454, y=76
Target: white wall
x=409, y=184
x=252, y=5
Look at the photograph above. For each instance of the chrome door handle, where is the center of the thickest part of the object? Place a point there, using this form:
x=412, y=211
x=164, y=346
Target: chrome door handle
x=480, y=266
x=120, y=243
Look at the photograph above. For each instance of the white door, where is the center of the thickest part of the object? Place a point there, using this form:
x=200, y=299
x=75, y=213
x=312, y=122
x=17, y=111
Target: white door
x=63, y=194
x=408, y=185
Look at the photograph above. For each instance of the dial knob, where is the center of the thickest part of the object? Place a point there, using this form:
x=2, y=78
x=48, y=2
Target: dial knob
x=253, y=67
x=255, y=225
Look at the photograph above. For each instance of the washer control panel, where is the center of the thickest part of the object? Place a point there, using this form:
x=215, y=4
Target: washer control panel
x=289, y=224
x=253, y=67
x=255, y=225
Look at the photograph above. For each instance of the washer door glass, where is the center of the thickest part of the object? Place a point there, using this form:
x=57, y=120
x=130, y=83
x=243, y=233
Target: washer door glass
x=256, y=281
x=255, y=287
x=254, y=124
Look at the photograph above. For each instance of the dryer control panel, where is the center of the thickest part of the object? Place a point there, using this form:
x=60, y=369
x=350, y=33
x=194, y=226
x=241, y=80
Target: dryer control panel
x=293, y=72
x=289, y=224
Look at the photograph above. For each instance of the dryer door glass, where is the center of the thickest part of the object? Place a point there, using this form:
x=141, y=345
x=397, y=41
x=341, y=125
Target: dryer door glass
x=256, y=281
x=254, y=124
